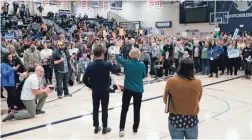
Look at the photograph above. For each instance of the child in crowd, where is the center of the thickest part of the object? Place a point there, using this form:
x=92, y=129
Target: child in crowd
x=82, y=65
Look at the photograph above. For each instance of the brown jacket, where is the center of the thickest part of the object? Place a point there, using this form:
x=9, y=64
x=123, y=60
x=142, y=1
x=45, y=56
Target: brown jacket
x=185, y=95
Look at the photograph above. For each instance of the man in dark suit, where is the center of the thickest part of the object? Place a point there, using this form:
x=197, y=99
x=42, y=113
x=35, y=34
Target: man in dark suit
x=97, y=77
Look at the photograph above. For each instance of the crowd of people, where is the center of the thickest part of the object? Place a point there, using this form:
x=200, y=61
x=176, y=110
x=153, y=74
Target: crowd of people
x=95, y=53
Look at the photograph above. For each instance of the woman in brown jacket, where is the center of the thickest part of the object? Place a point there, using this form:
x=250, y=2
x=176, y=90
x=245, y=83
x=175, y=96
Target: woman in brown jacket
x=184, y=92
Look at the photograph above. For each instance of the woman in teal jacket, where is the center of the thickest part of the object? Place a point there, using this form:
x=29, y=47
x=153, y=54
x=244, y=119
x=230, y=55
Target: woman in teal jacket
x=8, y=80
x=133, y=87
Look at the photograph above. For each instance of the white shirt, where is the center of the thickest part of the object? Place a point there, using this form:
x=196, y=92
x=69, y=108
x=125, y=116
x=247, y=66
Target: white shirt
x=32, y=82
x=45, y=53
x=74, y=50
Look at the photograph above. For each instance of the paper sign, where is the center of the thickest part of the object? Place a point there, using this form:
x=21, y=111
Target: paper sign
x=235, y=33
x=162, y=32
x=104, y=33
x=141, y=32
x=9, y=36
x=184, y=34
x=114, y=35
x=233, y=53
x=121, y=32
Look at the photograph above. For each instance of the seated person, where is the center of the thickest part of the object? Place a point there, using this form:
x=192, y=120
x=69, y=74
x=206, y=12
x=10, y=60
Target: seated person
x=168, y=65
x=158, y=68
x=114, y=85
x=32, y=90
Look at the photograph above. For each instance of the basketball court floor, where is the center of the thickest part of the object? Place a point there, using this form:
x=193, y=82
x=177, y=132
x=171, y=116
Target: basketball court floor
x=225, y=113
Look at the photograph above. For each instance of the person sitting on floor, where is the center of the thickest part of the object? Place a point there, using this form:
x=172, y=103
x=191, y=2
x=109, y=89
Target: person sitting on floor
x=114, y=85
x=32, y=90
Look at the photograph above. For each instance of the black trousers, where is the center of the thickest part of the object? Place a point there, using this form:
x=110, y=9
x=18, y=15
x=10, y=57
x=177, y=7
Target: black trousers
x=11, y=99
x=146, y=67
x=48, y=73
x=5, y=14
x=137, y=100
x=248, y=67
x=223, y=64
x=22, y=13
x=176, y=63
x=62, y=79
x=102, y=97
x=214, y=66
x=233, y=65
x=169, y=70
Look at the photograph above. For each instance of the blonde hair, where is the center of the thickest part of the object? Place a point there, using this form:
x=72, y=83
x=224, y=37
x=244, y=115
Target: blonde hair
x=135, y=53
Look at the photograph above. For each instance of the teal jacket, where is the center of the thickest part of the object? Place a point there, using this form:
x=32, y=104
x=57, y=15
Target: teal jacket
x=134, y=73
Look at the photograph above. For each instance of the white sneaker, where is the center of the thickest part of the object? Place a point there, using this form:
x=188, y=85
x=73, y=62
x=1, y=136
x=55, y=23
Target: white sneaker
x=121, y=133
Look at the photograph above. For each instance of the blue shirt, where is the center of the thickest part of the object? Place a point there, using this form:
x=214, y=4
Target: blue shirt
x=134, y=73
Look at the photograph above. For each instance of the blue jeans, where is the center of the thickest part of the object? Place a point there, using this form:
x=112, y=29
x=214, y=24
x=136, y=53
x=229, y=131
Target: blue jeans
x=178, y=133
x=205, y=66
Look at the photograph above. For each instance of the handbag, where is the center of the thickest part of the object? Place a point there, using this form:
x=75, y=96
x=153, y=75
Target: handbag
x=167, y=102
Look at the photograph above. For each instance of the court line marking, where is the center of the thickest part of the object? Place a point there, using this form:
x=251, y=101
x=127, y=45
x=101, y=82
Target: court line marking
x=111, y=108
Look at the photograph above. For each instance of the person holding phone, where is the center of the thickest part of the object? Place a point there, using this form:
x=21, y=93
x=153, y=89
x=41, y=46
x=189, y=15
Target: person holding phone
x=61, y=61
x=32, y=90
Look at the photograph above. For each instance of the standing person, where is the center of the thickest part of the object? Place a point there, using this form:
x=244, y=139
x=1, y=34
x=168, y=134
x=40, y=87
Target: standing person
x=32, y=90
x=233, y=58
x=214, y=53
x=97, y=78
x=247, y=59
x=156, y=53
x=184, y=102
x=32, y=57
x=8, y=80
x=46, y=55
x=178, y=53
x=196, y=56
x=224, y=56
x=145, y=55
x=61, y=61
x=205, y=69
x=133, y=87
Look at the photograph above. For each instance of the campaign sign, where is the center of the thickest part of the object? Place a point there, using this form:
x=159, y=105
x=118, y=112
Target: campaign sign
x=233, y=53
x=9, y=36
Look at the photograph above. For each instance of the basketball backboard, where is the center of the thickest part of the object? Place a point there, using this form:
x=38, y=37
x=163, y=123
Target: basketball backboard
x=221, y=18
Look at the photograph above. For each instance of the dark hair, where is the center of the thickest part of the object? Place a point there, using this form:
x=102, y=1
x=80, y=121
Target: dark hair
x=186, y=68
x=5, y=58
x=98, y=50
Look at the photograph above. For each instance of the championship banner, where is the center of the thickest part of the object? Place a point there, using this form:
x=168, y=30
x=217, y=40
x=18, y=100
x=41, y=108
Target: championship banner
x=78, y=4
x=84, y=4
x=105, y=5
x=45, y=2
x=101, y=4
x=89, y=4
x=152, y=3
